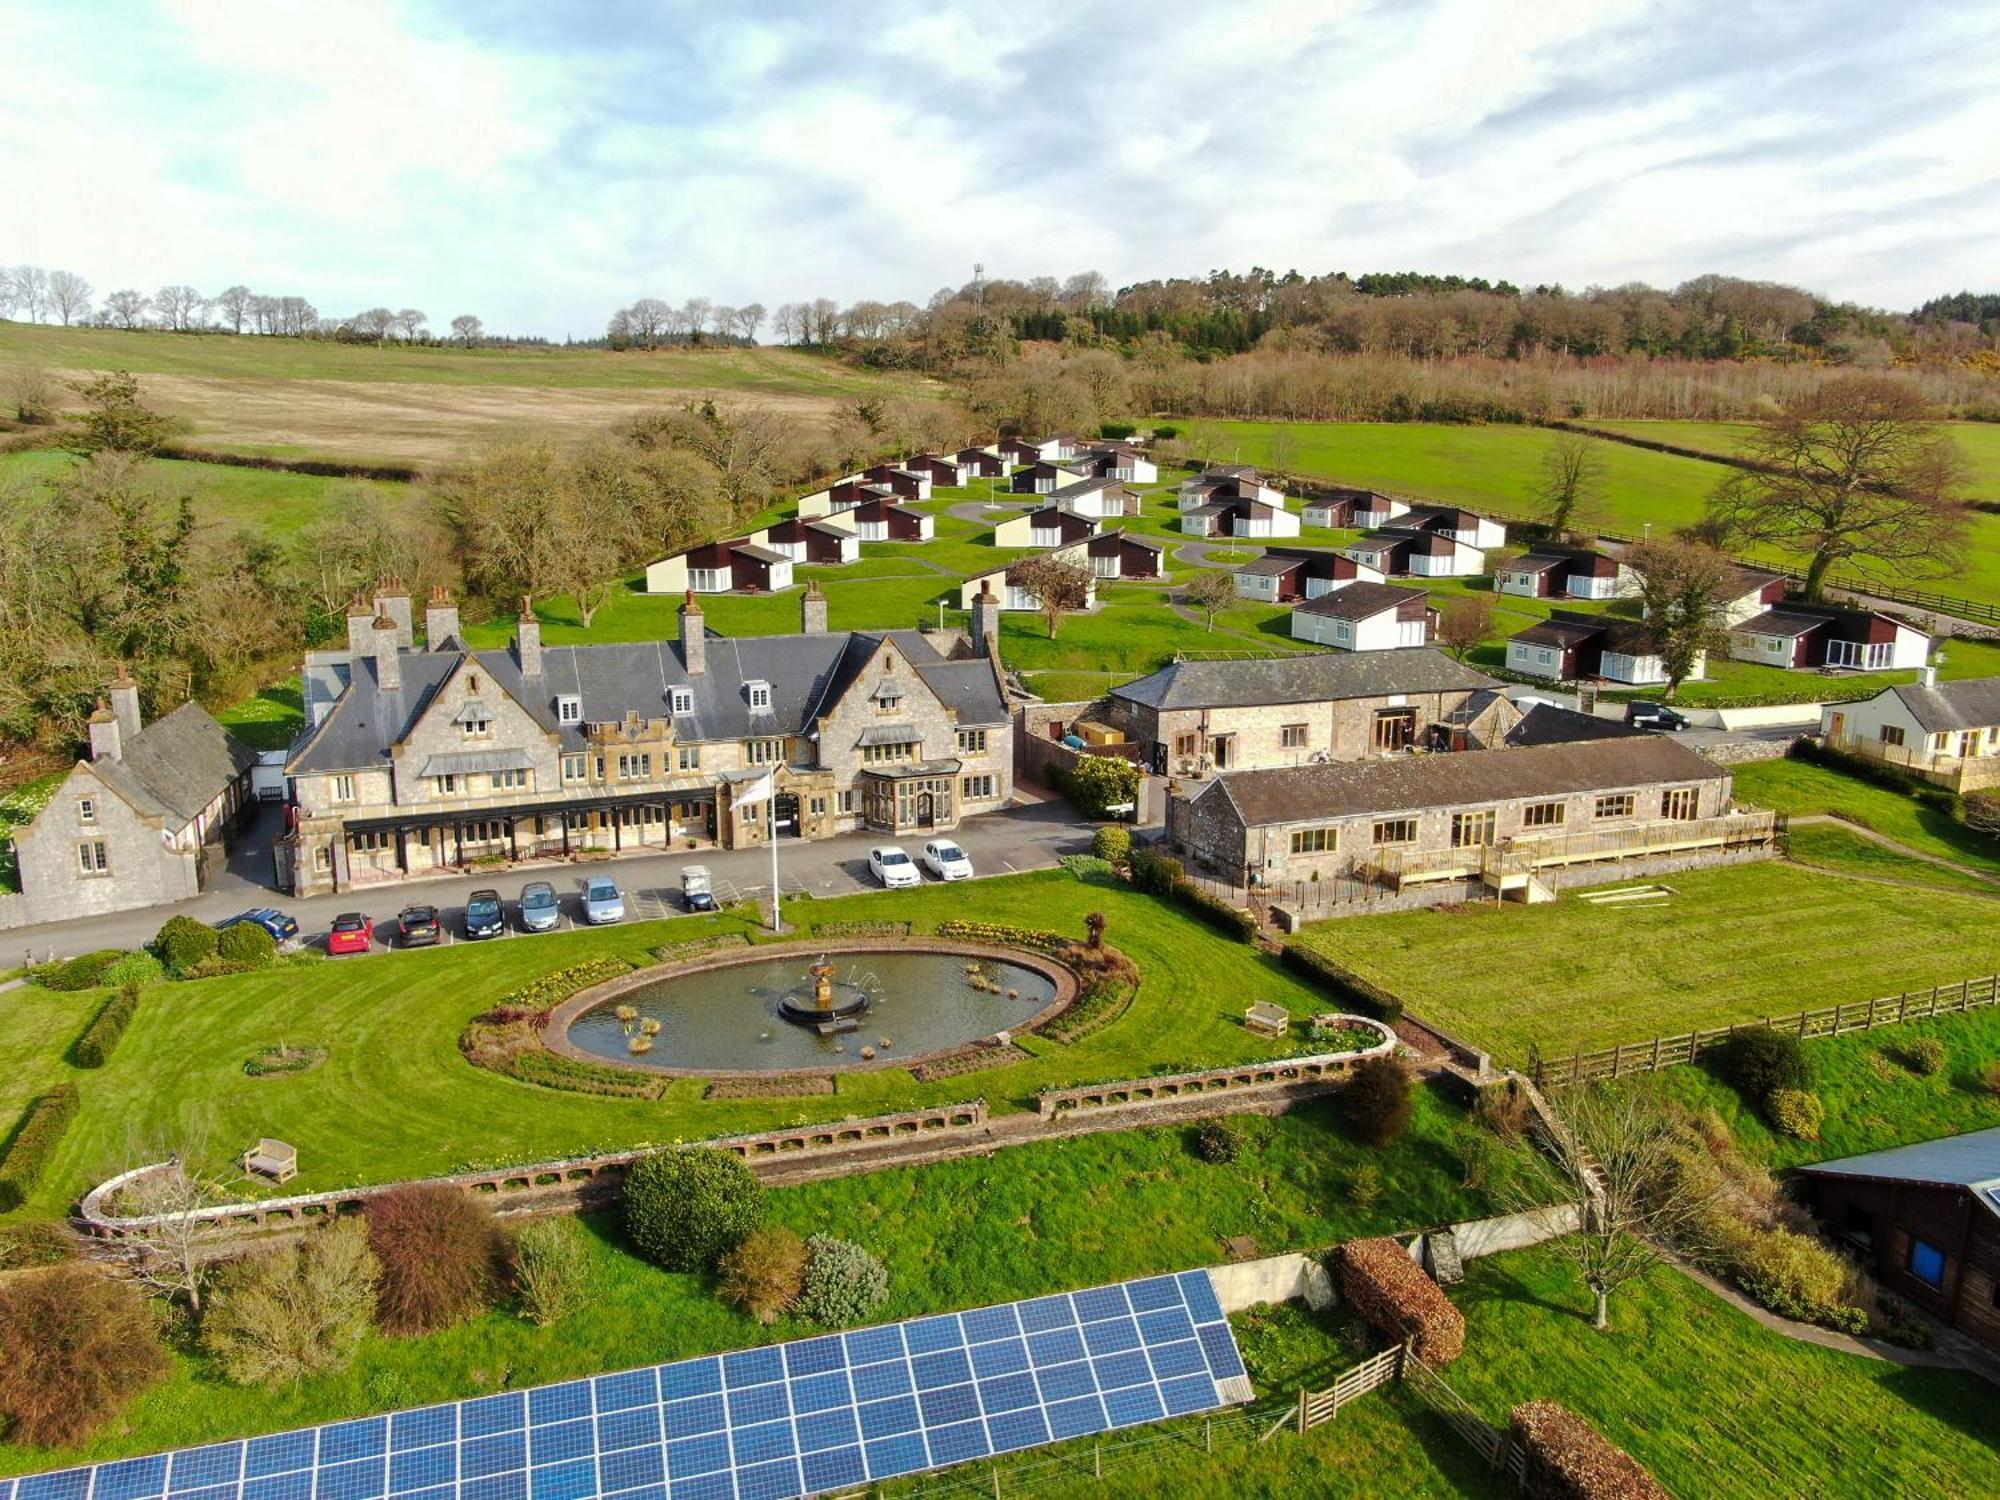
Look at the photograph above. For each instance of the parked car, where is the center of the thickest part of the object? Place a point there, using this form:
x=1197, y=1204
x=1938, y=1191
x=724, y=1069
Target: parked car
x=890, y=865
x=282, y=927
x=541, y=909
x=418, y=926
x=351, y=933
x=1641, y=714
x=946, y=860
x=484, y=916
x=602, y=901
x=697, y=894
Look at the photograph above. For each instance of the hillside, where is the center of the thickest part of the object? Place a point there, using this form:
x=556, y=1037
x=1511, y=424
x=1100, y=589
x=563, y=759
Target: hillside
x=397, y=404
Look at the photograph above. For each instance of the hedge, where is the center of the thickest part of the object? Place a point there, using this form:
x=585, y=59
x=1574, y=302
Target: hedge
x=93, y=1049
x=85, y=972
x=1392, y=1294
x=1881, y=773
x=42, y=1126
x=1345, y=986
x=1217, y=913
x=1568, y=1459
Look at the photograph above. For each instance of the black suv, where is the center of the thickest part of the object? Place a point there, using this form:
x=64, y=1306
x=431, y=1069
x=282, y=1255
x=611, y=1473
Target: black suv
x=484, y=917
x=1643, y=715
x=419, y=927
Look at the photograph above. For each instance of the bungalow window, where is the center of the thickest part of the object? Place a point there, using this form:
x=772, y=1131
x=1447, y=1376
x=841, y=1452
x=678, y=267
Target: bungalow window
x=766, y=752
x=1680, y=803
x=1892, y=734
x=1617, y=805
x=1315, y=840
x=1395, y=831
x=569, y=709
x=690, y=758
x=680, y=700
x=93, y=858
x=1927, y=1263
x=1292, y=736
x=86, y=809
x=575, y=767
x=343, y=788
x=1544, y=656
x=1471, y=828
x=634, y=767
x=1542, y=815
x=972, y=742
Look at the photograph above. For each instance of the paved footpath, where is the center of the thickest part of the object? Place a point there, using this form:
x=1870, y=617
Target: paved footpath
x=1029, y=837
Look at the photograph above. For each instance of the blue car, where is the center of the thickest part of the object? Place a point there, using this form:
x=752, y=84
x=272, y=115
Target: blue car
x=282, y=927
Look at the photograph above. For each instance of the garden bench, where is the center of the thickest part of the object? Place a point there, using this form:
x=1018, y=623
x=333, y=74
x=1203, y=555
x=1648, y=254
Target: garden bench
x=273, y=1159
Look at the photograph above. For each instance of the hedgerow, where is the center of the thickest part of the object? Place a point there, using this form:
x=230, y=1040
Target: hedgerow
x=1568, y=1459
x=1391, y=1294
x=93, y=1049
x=1350, y=990
x=42, y=1125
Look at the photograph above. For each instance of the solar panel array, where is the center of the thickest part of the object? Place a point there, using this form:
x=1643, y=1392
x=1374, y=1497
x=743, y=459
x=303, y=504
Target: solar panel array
x=759, y=1424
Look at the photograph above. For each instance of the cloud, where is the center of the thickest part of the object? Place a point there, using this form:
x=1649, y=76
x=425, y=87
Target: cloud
x=542, y=164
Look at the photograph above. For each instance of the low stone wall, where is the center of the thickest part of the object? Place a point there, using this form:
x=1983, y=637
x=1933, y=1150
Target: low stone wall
x=1480, y=1237
x=1736, y=752
x=1326, y=1069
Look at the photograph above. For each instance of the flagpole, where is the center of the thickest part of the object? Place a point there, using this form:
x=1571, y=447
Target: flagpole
x=777, y=892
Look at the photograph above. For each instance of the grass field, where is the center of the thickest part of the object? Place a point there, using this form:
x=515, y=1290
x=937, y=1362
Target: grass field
x=1794, y=786
x=265, y=502
x=394, y=1097
x=1733, y=944
x=1978, y=441
x=393, y=403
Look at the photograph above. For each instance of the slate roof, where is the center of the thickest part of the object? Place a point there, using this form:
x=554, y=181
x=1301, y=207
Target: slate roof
x=176, y=765
x=1750, y=580
x=1536, y=562
x=1307, y=677
x=1781, y=622
x=1546, y=724
x=1968, y=1161
x=1087, y=487
x=1359, y=601
x=1971, y=704
x=1272, y=566
x=807, y=674
x=1294, y=794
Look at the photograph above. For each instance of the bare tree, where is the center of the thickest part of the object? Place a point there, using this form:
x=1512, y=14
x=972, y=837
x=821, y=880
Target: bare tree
x=127, y=308
x=1465, y=622
x=1857, y=471
x=296, y=316
x=1057, y=586
x=34, y=391
x=1086, y=290
x=822, y=321
x=787, y=321
x=467, y=329
x=233, y=304
x=410, y=322
x=171, y=1259
x=1209, y=592
x=694, y=316
x=69, y=296
x=1605, y=1181
x=749, y=318
x=376, y=323
x=648, y=319
x=1682, y=588
x=1571, y=482
x=31, y=291
x=180, y=307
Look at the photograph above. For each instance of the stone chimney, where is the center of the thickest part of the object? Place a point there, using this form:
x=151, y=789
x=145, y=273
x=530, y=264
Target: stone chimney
x=694, y=637
x=440, y=618
x=360, y=626
x=104, y=742
x=388, y=660
x=528, y=642
x=986, y=621
x=393, y=600
x=812, y=609
x=125, y=704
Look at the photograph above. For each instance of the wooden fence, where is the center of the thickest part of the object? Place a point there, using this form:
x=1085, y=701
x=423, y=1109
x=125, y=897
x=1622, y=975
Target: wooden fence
x=1494, y=1444
x=1830, y=1020
x=1316, y=1407
x=1524, y=854
x=1956, y=772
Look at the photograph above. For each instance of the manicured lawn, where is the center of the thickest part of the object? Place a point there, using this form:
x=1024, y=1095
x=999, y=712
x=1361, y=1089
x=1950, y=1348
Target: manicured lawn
x=954, y=1234
x=394, y=1097
x=1795, y=786
x=1732, y=945
x=1827, y=846
x=271, y=720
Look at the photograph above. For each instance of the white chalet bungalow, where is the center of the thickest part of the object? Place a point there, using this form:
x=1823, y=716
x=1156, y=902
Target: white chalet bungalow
x=1117, y=461
x=1239, y=518
x=1221, y=480
x=1096, y=499
x=1951, y=728
x=1003, y=583
x=1465, y=526
x=1047, y=527
x=1366, y=617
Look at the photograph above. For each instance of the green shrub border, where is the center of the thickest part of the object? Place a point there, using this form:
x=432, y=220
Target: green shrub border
x=1879, y=773
x=1344, y=985
x=42, y=1125
x=93, y=1048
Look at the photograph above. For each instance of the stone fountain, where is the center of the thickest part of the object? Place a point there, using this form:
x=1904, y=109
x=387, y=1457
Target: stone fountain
x=834, y=1006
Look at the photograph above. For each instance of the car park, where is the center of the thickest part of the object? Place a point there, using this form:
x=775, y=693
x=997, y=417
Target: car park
x=541, y=908
x=697, y=891
x=946, y=860
x=352, y=932
x=282, y=927
x=602, y=901
x=1641, y=714
x=419, y=926
x=484, y=916
x=890, y=865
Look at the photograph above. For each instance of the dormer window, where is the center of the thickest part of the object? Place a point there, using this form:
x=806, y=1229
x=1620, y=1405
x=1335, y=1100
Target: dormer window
x=760, y=696
x=569, y=709
x=474, y=720
x=680, y=700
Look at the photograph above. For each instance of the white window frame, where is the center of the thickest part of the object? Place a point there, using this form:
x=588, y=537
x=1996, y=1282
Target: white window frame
x=569, y=709
x=680, y=700
x=759, y=695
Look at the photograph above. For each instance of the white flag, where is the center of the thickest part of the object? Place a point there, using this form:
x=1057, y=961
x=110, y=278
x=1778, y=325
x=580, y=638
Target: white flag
x=757, y=791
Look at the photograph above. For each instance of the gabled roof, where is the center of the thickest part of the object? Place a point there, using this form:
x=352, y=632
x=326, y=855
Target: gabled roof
x=1536, y=562
x=1087, y=487
x=1973, y=703
x=1546, y=724
x=1272, y=566
x=176, y=765
x=1305, y=677
x=1556, y=631
x=1753, y=580
x=1968, y=1161
x=1360, y=601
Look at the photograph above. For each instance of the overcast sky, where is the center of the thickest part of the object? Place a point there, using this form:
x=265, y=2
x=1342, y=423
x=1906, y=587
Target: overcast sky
x=539, y=162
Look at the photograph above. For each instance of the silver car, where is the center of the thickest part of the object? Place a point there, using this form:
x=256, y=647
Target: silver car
x=541, y=909
x=601, y=901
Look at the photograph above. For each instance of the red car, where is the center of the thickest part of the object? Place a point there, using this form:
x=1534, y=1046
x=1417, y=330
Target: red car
x=351, y=933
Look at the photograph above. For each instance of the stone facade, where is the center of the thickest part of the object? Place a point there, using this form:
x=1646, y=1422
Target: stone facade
x=1203, y=740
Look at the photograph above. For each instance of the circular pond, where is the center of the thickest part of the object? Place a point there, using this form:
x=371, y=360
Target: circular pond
x=756, y=1012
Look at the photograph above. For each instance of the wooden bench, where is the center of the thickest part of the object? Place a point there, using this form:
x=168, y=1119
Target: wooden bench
x=273, y=1159
x=1268, y=1019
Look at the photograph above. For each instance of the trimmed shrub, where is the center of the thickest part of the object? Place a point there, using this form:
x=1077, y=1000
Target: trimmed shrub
x=35, y=1243
x=182, y=943
x=844, y=1282
x=1348, y=989
x=1098, y=783
x=42, y=1125
x=84, y=972
x=551, y=1265
x=246, y=944
x=1112, y=842
x=1503, y=1108
x=1155, y=873
x=1378, y=1100
x=75, y=1347
x=1568, y=1459
x=441, y=1255
x=1796, y=1113
x=1392, y=1294
x=765, y=1274
x=1757, y=1060
x=279, y=1317
x=1796, y=1276
x=1364, y=1185
x=1218, y=1141
x=100, y=1038
x=1217, y=913
x=685, y=1208
x=1981, y=810
x=135, y=968
x=1924, y=1056
x=1991, y=1077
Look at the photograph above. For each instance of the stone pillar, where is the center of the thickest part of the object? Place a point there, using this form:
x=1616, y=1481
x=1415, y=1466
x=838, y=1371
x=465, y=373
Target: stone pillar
x=360, y=627
x=528, y=642
x=104, y=736
x=388, y=660
x=694, y=637
x=393, y=601
x=986, y=621
x=812, y=609
x=125, y=703
x=440, y=618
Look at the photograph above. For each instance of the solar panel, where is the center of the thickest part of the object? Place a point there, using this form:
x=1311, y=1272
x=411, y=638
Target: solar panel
x=783, y=1420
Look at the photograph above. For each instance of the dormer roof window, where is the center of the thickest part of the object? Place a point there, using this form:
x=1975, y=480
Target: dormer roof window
x=569, y=709
x=680, y=700
x=759, y=693
x=474, y=720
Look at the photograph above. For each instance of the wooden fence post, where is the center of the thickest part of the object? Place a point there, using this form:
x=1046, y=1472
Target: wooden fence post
x=1302, y=1412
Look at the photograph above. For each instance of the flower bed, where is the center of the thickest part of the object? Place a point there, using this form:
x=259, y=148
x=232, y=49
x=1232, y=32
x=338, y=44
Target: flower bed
x=1038, y=938
x=672, y=953
x=974, y=1059
x=783, y=1086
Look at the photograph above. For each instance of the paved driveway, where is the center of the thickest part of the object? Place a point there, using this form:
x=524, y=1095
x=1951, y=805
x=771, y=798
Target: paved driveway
x=1028, y=837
